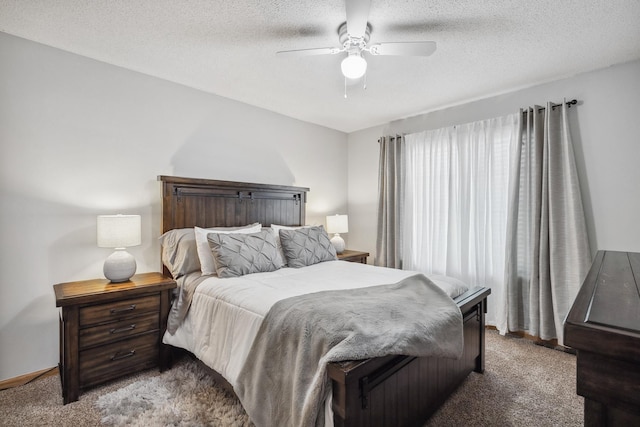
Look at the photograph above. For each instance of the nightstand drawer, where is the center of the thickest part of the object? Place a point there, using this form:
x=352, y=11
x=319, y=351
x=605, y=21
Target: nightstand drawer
x=113, y=311
x=113, y=360
x=114, y=331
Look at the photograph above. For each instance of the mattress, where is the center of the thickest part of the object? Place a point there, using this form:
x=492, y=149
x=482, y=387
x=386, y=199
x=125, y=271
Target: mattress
x=225, y=314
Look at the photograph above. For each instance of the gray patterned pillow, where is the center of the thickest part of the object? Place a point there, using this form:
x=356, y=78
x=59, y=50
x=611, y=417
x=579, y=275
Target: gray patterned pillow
x=240, y=254
x=306, y=246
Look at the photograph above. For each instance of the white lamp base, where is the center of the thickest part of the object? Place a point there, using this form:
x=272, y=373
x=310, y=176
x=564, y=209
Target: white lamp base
x=119, y=266
x=338, y=243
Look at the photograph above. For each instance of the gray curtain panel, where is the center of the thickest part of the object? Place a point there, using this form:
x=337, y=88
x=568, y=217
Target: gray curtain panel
x=547, y=254
x=390, y=202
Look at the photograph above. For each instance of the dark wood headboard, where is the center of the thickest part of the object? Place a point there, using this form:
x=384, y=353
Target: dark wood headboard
x=189, y=202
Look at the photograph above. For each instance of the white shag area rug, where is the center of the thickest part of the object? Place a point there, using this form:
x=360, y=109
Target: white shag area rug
x=524, y=385
x=182, y=396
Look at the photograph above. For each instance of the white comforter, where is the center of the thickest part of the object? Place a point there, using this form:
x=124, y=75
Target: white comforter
x=226, y=314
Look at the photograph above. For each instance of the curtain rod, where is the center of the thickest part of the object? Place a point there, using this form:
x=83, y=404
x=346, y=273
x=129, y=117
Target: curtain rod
x=553, y=106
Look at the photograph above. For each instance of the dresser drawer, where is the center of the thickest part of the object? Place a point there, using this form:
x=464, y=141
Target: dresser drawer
x=117, y=310
x=118, y=330
x=109, y=361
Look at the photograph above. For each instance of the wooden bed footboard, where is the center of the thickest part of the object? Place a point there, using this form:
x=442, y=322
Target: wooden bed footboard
x=404, y=390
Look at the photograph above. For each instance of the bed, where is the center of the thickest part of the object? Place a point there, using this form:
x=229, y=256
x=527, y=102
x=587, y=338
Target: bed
x=386, y=390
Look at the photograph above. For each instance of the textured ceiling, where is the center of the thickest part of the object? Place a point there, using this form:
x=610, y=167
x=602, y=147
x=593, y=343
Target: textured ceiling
x=228, y=48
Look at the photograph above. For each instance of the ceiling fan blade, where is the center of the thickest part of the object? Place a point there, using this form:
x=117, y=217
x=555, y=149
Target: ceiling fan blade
x=357, y=16
x=403, y=48
x=309, y=52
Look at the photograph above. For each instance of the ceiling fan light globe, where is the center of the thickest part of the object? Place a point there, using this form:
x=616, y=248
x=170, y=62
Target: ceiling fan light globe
x=353, y=66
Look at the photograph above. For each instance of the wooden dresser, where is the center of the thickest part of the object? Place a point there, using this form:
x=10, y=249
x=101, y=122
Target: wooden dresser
x=604, y=327
x=111, y=329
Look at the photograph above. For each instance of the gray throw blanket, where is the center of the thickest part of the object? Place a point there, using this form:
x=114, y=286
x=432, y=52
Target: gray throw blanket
x=284, y=382
x=183, y=295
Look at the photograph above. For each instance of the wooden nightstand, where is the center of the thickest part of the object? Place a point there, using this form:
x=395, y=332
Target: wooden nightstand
x=111, y=329
x=353, y=256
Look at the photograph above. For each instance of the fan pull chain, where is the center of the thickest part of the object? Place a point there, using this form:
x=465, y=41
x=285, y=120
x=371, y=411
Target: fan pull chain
x=345, y=88
x=364, y=86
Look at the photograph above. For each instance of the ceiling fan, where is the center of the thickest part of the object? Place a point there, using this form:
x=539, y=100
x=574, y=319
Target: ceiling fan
x=354, y=37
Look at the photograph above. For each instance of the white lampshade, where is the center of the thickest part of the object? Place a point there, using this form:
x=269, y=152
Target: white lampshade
x=119, y=232
x=338, y=224
x=353, y=66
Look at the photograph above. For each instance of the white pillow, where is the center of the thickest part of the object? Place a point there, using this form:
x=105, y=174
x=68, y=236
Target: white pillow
x=207, y=265
x=276, y=229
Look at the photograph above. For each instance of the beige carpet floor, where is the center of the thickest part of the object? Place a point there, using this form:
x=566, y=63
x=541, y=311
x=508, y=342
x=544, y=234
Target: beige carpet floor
x=523, y=385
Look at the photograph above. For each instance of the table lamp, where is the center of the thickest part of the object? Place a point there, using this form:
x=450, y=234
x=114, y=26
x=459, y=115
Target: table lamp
x=337, y=224
x=119, y=232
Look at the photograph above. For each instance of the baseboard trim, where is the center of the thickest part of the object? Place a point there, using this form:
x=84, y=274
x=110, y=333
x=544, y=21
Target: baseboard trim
x=553, y=344
x=27, y=378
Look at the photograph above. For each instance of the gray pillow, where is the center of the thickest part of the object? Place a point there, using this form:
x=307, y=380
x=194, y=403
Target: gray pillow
x=306, y=246
x=240, y=254
x=179, y=252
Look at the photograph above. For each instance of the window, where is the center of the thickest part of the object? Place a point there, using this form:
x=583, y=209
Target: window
x=456, y=185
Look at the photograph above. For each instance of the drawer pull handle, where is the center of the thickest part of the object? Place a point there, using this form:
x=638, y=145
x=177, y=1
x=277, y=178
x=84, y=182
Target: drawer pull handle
x=125, y=329
x=122, y=310
x=119, y=355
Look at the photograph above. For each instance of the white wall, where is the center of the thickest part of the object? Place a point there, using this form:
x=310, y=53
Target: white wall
x=605, y=129
x=363, y=189
x=80, y=138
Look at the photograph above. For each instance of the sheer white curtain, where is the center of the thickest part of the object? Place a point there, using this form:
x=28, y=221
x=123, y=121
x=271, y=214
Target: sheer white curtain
x=456, y=195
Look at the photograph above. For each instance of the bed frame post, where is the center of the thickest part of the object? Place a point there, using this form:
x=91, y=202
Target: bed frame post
x=482, y=309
